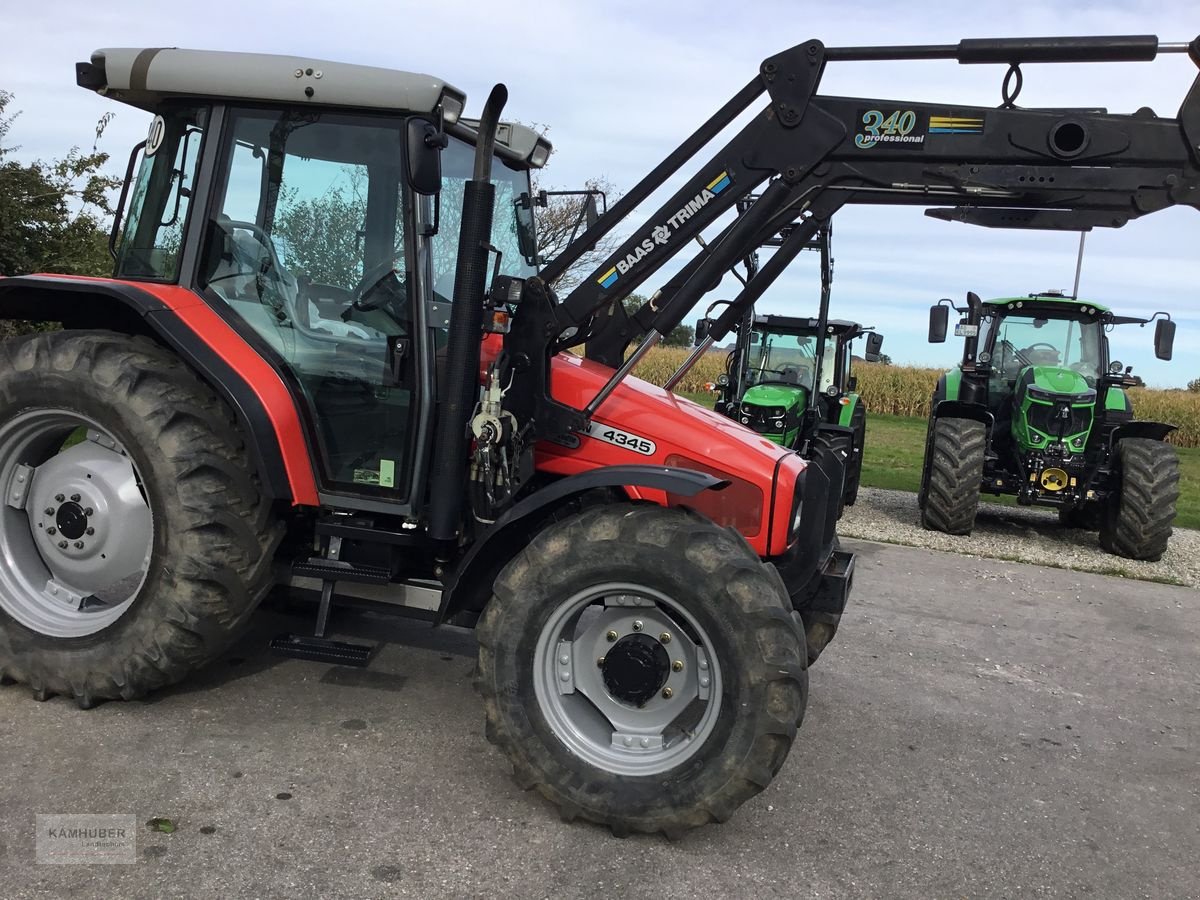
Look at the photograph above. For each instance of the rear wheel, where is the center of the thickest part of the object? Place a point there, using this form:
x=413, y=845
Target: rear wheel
x=953, y=472
x=136, y=543
x=1141, y=510
x=642, y=669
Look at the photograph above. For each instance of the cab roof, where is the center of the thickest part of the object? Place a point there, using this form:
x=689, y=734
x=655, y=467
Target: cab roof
x=147, y=77
x=793, y=323
x=1049, y=297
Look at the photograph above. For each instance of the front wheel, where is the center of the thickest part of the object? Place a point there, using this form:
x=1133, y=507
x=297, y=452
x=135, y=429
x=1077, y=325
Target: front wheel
x=954, y=471
x=1141, y=510
x=641, y=669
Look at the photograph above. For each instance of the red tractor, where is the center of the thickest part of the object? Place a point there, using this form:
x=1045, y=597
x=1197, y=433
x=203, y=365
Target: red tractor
x=327, y=359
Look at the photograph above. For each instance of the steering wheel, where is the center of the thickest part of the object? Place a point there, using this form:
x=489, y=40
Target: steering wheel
x=370, y=279
x=1037, y=345
x=261, y=238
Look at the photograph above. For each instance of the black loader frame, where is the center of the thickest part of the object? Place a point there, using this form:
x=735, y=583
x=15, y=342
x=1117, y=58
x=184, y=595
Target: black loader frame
x=1059, y=169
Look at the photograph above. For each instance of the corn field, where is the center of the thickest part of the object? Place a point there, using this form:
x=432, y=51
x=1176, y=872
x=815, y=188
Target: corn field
x=905, y=391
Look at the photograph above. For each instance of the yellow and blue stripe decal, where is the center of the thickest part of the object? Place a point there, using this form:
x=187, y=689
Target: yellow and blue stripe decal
x=719, y=183
x=609, y=278
x=955, y=125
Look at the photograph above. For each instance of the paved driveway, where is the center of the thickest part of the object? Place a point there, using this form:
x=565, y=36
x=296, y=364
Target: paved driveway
x=978, y=728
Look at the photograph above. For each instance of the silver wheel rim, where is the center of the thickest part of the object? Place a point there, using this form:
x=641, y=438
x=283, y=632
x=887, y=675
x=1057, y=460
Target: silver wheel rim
x=76, y=532
x=616, y=735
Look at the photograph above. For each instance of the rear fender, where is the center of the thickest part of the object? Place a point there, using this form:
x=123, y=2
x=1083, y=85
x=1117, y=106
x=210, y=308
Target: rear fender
x=182, y=322
x=468, y=586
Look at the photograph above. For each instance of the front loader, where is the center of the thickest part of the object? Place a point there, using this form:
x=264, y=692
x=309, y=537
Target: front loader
x=1039, y=410
x=327, y=360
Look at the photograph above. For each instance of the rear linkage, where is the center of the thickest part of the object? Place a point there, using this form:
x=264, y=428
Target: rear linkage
x=1071, y=169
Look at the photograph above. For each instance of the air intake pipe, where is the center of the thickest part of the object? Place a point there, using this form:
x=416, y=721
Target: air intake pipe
x=447, y=485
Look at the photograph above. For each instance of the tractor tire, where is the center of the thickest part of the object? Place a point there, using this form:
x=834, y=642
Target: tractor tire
x=954, y=473
x=127, y=425
x=1086, y=516
x=634, y=574
x=1140, y=512
x=838, y=445
x=854, y=470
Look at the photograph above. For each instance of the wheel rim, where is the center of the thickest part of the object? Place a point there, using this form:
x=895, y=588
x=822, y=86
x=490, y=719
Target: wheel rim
x=76, y=531
x=609, y=698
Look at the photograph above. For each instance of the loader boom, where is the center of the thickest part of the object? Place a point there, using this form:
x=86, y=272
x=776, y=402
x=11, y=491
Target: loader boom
x=808, y=155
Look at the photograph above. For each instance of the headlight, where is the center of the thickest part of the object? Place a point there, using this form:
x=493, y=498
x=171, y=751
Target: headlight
x=541, y=153
x=452, y=105
x=796, y=518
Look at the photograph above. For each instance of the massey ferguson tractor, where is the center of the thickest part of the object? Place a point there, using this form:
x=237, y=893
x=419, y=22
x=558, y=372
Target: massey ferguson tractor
x=1038, y=409
x=326, y=359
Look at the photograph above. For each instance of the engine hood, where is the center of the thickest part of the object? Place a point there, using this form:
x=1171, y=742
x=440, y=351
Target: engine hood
x=784, y=395
x=1057, y=380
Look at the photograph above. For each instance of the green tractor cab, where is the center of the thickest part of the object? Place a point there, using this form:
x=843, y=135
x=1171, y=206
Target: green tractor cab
x=1037, y=409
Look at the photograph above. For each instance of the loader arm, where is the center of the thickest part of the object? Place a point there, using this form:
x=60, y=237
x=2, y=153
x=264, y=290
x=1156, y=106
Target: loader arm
x=810, y=154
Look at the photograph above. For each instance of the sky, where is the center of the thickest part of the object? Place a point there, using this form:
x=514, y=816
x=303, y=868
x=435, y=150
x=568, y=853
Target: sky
x=621, y=84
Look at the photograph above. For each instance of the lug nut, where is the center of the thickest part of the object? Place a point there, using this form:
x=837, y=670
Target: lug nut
x=89, y=511
x=59, y=498
x=600, y=661
x=79, y=545
x=51, y=531
x=49, y=510
x=74, y=498
x=668, y=693
x=677, y=666
x=665, y=637
x=62, y=545
x=612, y=636
x=90, y=532
x=637, y=626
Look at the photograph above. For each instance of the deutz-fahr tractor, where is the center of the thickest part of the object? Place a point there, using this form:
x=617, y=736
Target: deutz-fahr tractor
x=327, y=361
x=789, y=378
x=1038, y=409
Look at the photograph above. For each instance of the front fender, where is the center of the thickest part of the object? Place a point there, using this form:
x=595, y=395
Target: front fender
x=1154, y=431
x=468, y=586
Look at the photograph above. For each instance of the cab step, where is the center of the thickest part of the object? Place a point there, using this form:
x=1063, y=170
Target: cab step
x=316, y=649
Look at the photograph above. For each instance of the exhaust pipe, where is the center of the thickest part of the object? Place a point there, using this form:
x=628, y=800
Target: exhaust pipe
x=466, y=331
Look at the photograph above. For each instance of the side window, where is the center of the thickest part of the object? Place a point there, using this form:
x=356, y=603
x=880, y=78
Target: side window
x=152, y=233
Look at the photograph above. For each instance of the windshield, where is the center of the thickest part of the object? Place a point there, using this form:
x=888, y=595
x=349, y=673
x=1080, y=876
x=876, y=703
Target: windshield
x=458, y=160
x=789, y=358
x=1071, y=342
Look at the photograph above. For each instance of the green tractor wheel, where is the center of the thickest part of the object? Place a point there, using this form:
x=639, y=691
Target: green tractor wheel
x=1137, y=521
x=953, y=472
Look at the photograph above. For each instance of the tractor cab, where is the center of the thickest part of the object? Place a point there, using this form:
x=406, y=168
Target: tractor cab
x=318, y=210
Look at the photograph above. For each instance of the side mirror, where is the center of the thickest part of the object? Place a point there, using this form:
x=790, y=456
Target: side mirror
x=526, y=232
x=701, y=330
x=1164, y=338
x=939, y=321
x=590, y=212
x=852, y=383
x=423, y=157
x=875, y=344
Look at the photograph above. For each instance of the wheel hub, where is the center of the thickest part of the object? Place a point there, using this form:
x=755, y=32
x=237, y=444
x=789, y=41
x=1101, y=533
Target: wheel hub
x=636, y=669
x=71, y=521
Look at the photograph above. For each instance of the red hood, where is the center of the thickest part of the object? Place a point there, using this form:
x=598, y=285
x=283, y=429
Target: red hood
x=682, y=433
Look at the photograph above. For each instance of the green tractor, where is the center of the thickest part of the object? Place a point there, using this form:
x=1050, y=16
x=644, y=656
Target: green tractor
x=789, y=378
x=1038, y=409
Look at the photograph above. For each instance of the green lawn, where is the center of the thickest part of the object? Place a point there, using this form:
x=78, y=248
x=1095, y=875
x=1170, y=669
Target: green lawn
x=895, y=446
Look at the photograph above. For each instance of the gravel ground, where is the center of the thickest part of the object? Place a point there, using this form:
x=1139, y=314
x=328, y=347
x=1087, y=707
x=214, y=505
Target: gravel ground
x=1021, y=533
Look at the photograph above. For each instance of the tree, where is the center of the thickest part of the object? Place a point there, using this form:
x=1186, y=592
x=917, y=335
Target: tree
x=53, y=214
x=1194, y=386
x=680, y=336
x=884, y=359
x=560, y=219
